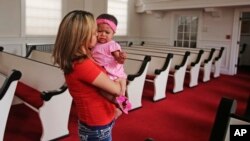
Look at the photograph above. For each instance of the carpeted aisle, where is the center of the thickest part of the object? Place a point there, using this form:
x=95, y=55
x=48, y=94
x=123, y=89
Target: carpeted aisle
x=187, y=115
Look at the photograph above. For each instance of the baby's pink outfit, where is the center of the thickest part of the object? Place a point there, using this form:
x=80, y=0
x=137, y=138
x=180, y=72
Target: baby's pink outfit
x=102, y=53
x=124, y=104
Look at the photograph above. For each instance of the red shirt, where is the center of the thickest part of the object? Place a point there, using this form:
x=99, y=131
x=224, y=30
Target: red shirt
x=93, y=109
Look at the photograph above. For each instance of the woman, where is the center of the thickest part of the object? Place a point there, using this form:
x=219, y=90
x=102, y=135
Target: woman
x=85, y=79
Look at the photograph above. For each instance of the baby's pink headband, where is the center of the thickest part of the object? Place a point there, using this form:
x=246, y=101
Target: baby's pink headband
x=109, y=22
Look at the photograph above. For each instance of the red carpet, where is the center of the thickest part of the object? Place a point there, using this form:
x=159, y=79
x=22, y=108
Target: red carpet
x=187, y=115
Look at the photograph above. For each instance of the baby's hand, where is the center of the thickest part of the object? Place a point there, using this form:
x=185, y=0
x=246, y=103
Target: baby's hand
x=122, y=57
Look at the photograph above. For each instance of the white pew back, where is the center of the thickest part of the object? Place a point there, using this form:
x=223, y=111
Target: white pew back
x=225, y=117
x=236, y=120
x=41, y=56
x=177, y=57
x=197, y=58
x=156, y=63
x=7, y=89
x=159, y=68
x=35, y=74
x=136, y=68
x=216, y=55
x=178, y=64
x=42, y=77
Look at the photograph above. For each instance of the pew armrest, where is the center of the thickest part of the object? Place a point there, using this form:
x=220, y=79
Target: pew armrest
x=210, y=56
x=166, y=64
x=198, y=58
x=47, y=95
x=131, y=77
x=30, y=51
x=15, y=75
x=220, y=54
x=184, y=60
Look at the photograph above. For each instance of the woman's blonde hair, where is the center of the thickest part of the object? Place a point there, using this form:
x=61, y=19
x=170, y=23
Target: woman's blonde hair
x=73, y=39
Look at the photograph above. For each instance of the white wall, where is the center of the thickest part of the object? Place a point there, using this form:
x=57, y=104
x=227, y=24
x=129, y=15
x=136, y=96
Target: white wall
x=214, y=32
x=214, y=25
x=10, y=27
x=145, y=5
x=155, y=28
x=134, y=22
x=213, y=29
x=216, y=28
x=11, y=37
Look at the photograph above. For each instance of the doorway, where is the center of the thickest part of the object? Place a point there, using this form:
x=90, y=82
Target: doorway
x=244, y=45
x=238, y=40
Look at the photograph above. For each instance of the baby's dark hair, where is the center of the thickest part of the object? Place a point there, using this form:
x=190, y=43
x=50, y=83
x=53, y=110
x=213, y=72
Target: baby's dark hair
x=108, y=17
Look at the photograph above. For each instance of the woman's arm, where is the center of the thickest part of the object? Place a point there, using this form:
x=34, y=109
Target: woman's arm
x=103, y=82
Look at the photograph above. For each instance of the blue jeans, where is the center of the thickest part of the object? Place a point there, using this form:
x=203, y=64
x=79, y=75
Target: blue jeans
x=95, y=133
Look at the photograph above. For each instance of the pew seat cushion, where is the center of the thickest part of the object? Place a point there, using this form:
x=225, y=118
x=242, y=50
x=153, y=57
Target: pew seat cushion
x=29, y=95
x=150, y=77
x=171, y=72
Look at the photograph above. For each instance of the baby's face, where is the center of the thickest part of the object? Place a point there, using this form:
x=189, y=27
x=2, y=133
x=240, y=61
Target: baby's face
x=105, y=33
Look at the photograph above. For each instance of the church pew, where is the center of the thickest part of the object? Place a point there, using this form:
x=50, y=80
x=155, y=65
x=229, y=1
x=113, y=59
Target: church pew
x=225, y=116
x=136, y=69
x=157, y=73
x=41, y=47
x=123, y=43
x=194, y=64
x=217, y=61
x=206, y=58
x=216, y=58
x=8, y=85
x=235, y=119
x=177, y=68
x=41, y=56
x=42, y=88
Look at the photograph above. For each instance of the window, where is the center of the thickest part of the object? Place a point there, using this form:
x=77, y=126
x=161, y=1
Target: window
x=187, y=31
x=42, y=17
x=119, y=9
